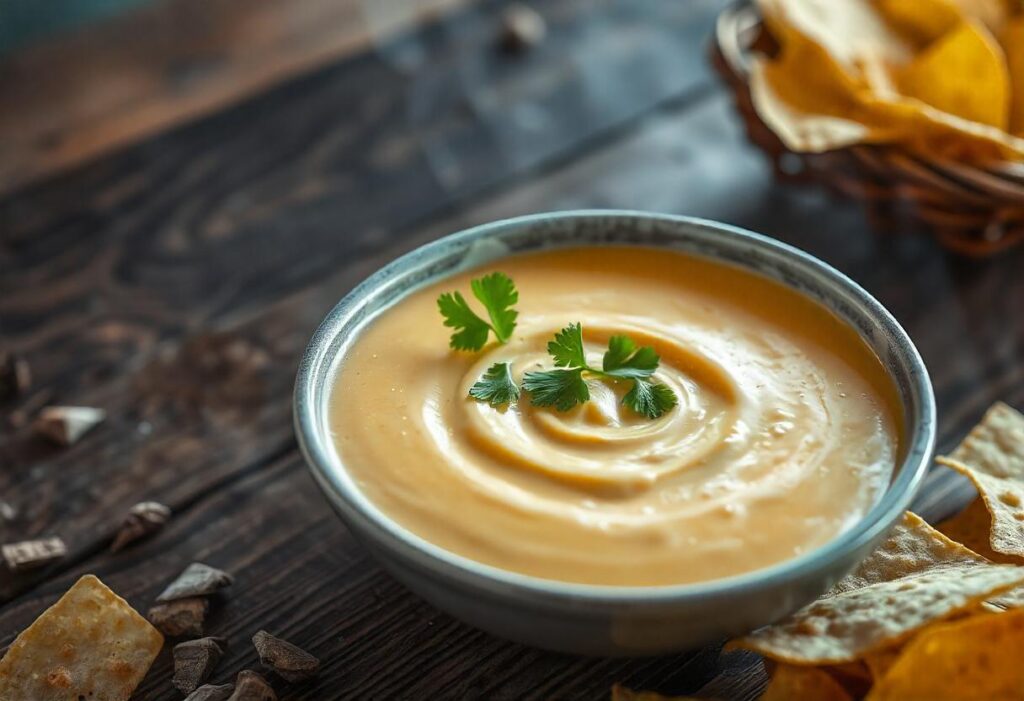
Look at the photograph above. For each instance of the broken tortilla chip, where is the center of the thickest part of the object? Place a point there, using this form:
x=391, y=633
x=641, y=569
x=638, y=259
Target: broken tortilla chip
x=848, y=625
x=789, y=683
x=89, y=645
x=972, y=527
x=975, y=658
x=992, y=457
x=921, y=21
x=964, y=73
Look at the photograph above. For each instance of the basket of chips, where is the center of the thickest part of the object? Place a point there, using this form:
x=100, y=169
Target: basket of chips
x=914, y=107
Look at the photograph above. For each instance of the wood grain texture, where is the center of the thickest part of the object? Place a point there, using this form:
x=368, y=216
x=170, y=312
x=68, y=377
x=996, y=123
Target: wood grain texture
x=111, y=84
x=176, y=283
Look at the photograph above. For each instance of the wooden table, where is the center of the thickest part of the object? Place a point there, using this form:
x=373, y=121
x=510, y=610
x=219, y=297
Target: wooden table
x=175, y=283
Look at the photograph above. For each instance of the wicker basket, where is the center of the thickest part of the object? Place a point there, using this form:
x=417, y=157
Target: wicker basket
x=972, y=210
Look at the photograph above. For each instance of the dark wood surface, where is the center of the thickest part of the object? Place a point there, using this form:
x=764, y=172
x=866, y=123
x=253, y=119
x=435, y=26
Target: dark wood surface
x=175, y=284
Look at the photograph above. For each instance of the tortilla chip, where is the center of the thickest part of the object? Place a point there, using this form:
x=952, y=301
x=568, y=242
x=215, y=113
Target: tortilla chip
x=814, y=104
x=880, y=661
x=848, y=625
x=964, y=73
x=621, y=693
x=973, y=527
x=992, y=457
x=921, y=21
x=913, y=547
x=89, y=645
x=1012, y=39
x=790, y=683
x=974, y=658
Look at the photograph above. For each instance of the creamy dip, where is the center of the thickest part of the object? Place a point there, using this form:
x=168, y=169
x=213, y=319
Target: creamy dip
x=785, y=434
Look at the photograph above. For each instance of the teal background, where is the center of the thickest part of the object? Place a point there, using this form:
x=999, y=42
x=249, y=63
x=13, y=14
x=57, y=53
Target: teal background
x=25, y=21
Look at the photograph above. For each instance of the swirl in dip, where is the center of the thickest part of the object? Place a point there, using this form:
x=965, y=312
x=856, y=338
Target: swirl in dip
x=785, y=434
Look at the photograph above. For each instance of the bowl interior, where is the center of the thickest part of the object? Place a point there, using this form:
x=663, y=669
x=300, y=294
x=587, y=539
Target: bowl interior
x=482, y=244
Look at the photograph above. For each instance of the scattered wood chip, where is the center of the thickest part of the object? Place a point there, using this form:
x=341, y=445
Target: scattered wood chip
x=144, y=519
x=65, y=425
x=522, y=27
x=89, y=645
x=288, y=661
x=7, y=512
x=197, y=580
x=211, y=692
x=181, y=617
x=15, y=376
x=194, y=662
x=29, y=554
x=250, y=686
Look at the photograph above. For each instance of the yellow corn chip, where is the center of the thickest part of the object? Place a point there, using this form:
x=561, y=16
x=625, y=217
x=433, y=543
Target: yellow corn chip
x=789, y=683
x=89, y=645
x=974, y=658
x=921, y=21
x=992, y=456
x=847, y=626
x=964, y=74
x=1013, y=45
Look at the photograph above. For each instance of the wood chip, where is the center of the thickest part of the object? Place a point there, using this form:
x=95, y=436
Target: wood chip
x=197, y=580
x=522, y=27
x=211, y=692
x=29, y=554
x=250, y=686
x=15, y=376
x=65, y=425
x=144, y=519
x=288, y=661
x=182, y=617
x=194, y=662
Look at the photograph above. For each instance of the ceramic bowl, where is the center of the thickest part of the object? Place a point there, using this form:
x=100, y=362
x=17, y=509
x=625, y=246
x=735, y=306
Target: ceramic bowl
x=594, y=619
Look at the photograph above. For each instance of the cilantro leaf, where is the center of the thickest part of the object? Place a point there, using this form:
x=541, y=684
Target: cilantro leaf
x=496, y=387
x=472, y=330
x=498, y=293
x=562, y=389
x=567, y=348
x=650, y=399
x=624, y=359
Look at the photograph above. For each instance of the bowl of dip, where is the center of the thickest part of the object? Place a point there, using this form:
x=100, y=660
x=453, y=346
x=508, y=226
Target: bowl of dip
x=804, y=426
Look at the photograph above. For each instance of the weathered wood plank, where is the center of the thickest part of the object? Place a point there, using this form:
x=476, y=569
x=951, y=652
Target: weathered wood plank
x=111, y=84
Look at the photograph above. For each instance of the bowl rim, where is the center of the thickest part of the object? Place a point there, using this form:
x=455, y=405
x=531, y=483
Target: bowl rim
x=367, y=521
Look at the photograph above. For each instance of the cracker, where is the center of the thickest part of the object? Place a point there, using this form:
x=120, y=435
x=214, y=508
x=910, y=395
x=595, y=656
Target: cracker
x=90, y=644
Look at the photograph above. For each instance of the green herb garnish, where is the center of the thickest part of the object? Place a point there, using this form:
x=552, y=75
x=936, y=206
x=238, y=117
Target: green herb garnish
x=496, y=387
x=565, y=388
x=497, y=293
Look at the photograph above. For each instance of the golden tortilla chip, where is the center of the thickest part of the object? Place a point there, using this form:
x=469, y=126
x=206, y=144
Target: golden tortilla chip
x=89, y=645
x=921, y=21
x=814, y=104
x=848, y=625
x=974, y=658
x=1012, y=39
x=992, y=457
x=621, y=693
x=789, y=683
x=973, y=527
x=964, y=74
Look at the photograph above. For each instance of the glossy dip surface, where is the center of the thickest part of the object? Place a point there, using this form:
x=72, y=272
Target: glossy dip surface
x=785, y=433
